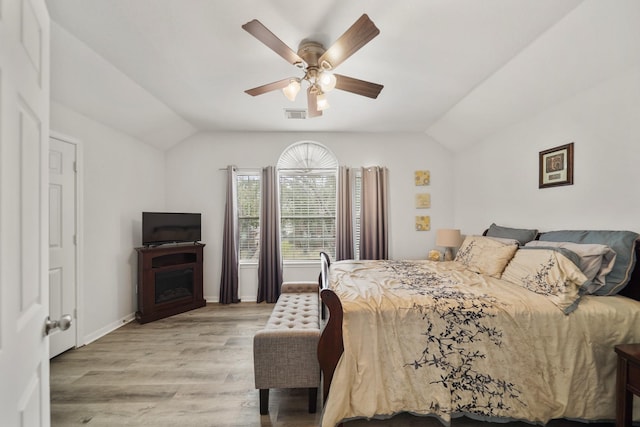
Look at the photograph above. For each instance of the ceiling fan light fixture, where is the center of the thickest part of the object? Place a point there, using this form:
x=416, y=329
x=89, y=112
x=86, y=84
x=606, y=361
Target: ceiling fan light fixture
x=321, y=102
x=318, y=64
x=327, y=81
x=292, y=89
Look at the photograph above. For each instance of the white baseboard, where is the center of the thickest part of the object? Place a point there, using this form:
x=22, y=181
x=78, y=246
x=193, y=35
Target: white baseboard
x=88, y=339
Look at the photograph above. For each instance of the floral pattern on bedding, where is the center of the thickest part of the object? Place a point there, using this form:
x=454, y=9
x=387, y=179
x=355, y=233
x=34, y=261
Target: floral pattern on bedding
x=540, y=280
x=548, y=272
x=453, y=350
x=415, y=277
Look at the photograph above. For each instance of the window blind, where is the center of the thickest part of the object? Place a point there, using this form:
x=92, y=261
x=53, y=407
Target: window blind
x=249, y=215
x=307, y=214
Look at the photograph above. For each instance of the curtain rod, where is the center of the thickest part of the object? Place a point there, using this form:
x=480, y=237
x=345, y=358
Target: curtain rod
x=224, y=169
x=289, y=169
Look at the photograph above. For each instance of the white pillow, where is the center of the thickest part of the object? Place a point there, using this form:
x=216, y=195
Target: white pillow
x=505, y=240
x=595, y=260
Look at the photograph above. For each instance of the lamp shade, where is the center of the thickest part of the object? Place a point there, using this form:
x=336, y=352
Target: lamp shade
x=448, y=238
x=321, y=102
x=292, y=89
x=327, y=81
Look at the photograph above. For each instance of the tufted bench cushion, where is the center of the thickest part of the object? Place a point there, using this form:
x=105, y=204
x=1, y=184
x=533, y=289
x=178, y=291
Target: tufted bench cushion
x=299, y=287
x=284, y=352
x=295, y=311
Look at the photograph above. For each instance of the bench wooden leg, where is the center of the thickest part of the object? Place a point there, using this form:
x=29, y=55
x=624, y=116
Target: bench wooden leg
x=264, y=401
x=313, y=399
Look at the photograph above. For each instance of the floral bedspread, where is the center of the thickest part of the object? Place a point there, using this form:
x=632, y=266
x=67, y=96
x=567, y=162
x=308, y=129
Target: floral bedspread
x=432, y=338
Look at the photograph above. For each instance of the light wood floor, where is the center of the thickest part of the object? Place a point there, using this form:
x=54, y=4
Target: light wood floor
x=192, y=369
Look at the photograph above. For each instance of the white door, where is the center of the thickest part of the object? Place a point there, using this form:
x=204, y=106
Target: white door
x=62, y=246
x=24, y=132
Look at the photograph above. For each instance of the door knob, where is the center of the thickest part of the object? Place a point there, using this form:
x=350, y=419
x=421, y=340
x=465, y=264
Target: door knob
x=63, y=323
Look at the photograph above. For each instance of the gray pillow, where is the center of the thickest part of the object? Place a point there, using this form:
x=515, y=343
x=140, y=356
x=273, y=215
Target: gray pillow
x=622, y=242
x=522, y=235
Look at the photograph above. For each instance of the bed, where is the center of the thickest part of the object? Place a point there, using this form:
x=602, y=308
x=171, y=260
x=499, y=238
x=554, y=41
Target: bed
x=512, y=329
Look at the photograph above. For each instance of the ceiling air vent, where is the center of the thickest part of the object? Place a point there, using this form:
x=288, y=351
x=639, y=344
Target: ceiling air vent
x=291, y=113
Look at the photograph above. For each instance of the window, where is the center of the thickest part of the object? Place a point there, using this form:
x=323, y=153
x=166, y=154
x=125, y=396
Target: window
x=307, y=214
x=307, y=174
x=357, y=191
x=249, y=214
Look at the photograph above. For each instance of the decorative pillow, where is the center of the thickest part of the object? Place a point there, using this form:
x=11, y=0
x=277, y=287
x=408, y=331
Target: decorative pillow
x=595, y=261
x=546, y=271
x=505, y=241
x=485, y=255
x=522, y=235
x=622, y=242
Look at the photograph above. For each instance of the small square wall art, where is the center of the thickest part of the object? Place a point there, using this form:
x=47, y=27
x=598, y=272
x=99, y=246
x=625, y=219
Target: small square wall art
x=422, y=177
x=423, y=223
x=423, y=201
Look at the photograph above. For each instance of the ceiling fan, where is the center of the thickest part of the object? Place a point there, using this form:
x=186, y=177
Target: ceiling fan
x=318, y=64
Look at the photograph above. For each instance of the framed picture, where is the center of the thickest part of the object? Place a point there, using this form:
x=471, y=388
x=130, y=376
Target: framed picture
x=556, y=166
x=423, y=201
x=422, y=177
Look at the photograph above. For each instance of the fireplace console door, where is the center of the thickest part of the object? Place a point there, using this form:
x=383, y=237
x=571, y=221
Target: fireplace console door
x=169, y=281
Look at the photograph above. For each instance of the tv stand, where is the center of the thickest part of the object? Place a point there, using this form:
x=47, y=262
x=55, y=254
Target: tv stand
x=169, y=280
x=167, y=244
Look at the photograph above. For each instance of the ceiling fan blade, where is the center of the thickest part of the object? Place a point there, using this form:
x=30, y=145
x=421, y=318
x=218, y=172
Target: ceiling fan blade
x=359, y=34
x=359, y=87
x=259, y=31
x=312, y=104
x=280, y=84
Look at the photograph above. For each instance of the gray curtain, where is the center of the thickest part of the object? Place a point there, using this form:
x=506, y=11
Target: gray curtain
x=373, y=215
x=230, y=239
x=270, y=259
x=344, y=220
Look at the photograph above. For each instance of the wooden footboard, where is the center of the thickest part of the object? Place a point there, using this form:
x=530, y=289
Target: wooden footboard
x=330, y=345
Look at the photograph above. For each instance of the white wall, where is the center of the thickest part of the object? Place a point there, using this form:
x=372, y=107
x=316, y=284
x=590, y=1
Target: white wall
x=122, y=177
x=195, y=183
x=497, y=180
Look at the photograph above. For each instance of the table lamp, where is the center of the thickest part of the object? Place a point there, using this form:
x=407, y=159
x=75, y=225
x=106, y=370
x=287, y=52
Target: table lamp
x=448, y=239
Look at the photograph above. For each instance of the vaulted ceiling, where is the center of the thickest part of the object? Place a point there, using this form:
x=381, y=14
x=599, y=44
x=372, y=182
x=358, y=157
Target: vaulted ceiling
x=457, y=70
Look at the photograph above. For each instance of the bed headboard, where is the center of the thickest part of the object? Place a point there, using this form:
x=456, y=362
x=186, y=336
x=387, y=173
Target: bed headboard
x=632, y=290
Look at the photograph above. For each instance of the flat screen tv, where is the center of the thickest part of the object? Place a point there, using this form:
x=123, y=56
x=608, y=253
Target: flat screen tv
x=169, y=227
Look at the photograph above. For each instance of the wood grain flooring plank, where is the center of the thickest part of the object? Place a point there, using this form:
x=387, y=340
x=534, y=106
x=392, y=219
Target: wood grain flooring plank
x=193, y=369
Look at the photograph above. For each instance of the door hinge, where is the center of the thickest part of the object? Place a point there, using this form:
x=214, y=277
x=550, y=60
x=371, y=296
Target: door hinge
x=75, y=167
x=75, y=239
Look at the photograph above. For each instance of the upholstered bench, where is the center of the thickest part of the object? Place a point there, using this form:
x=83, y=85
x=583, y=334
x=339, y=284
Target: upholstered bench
x=284, y=352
